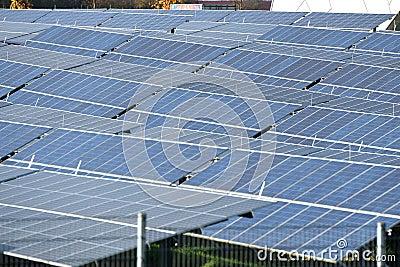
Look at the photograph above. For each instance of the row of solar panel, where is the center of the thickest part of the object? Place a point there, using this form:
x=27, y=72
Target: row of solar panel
x=302, y=228
x=65, y=148
x=106, y=154
x=139, y=18
x=81, y=218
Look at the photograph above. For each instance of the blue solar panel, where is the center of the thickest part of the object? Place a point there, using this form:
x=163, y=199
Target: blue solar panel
x=325, y=151
x=375, y=60
x=77, y=41
x=82, y=218
x=292, y=50
x=263, y=17
x=381, y=131
x=120, y=70
x=343, y=20
x=145, y=21
x=363, y=105
x=170, y=50
x=299, y=227
x=313, y=36
x=21, y=15
x=381, y=42
x=15, y=136
x=5, y=90
x=102, y=153
x=78, y=92
x=278, y=65
x=75, y=18
x=366, y=82
x=15, y=74
x=61, y=103
x=209, y=15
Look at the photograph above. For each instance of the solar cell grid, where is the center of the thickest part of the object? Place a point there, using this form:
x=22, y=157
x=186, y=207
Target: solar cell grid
x=313, y=36
x=77, y=41
x=351, y=127
x=75, y=86
x=343, y=20
x=60, y=119
x=15, y=136
x=336, y=144
x=367, y=78
x=145, y=21
x=75, y=18
x=381, y=42
x=40, y=57
x=263, y=17
x=278, y=65
x=22, y=15
x=170, y=50
x=14, y=74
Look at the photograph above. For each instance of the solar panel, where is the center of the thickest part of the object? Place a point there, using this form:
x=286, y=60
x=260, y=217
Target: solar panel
x=210, y=15
x=18, y=32
x=278, y=65
x=375, y=60
x=188, y=38
x=194, y=26
x=227, y=36
x=8, y=173
x=22, y=15
x=313, y=37
x=364, y=82
x=142, y=111
x=77, y=41
x=61, y=119
x=71, y=91
x=382, y=43
x=158, y=22
x=170, y=50
x=263, y=17
x=15, y=74
x=292, y=50
x=70, y=230
x=118, y=70
x=242, y=28
x=343, y=20
x=41, y=57
x=75, y=18
x=4, y=90
x=298, y=227
x=356, y=128
x=15, y=136
x=31, y=98
x=363, y=105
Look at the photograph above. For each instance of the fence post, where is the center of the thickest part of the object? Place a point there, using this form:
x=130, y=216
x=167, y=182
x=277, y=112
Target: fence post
x=141, y=240
x=381, y=245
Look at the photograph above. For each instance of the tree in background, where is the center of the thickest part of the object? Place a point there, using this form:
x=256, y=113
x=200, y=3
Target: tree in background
x=20, y=4
x=164, y=4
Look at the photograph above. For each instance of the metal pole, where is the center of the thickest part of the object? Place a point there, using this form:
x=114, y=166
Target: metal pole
x=381, y=244
x=141, y=240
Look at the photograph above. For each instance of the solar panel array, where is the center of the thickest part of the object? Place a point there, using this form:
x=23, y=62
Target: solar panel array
x=343, y=20
x=284, y=114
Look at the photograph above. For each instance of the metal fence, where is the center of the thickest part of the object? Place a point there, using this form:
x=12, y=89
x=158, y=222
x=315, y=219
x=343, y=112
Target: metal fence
x=193, y=250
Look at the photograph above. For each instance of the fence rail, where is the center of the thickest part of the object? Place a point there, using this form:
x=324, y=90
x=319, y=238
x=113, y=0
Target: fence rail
x=192, y=250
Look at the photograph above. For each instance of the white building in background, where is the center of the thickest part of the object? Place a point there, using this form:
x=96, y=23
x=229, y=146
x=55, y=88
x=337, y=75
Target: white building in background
x=338, y=6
